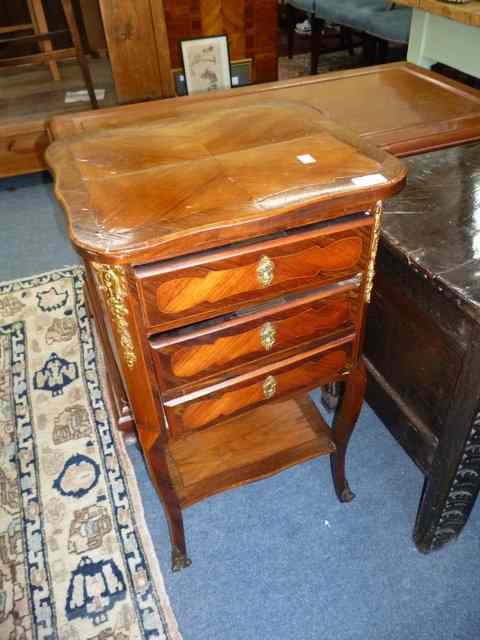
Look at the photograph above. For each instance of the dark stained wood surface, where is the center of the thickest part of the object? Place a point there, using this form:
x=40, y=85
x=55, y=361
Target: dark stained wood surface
x=150, y=192
x=435, y=222
x=423, y=334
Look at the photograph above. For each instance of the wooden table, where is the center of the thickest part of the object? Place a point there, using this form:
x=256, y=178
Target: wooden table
x=230, y=260
x=445, y=32
x=423, y=334
x=447, y=114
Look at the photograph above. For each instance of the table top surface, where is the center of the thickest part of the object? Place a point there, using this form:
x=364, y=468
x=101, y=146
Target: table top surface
x=435, y=221
x=185, y=184
x=400, y=107
x=468, y=13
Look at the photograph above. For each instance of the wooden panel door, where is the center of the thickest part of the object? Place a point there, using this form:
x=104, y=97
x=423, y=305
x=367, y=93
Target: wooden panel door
x=138, y=48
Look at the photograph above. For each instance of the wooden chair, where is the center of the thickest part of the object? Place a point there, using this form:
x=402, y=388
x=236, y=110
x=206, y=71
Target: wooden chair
x=48, y=54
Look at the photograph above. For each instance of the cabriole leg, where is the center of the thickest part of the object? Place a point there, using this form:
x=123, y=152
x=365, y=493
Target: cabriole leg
x=161, y=477
x=343, y=426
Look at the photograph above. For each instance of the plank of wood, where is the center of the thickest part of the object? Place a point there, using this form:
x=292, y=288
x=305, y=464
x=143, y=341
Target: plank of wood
x=38, y=58
x=16, y=27
x=253, y=446
x=93, y=25
x=22, y=148
x=39, y=20
x=134, y=46
x=163, y=51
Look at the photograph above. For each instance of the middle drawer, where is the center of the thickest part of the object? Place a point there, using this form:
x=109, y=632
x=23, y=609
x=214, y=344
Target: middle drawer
x=210, y=348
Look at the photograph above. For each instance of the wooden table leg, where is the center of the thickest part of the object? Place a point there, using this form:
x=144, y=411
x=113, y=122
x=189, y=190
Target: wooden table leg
x=343, y=426
x=39, y=22
x=161, y=477
x=450, y=491
x=77, y=43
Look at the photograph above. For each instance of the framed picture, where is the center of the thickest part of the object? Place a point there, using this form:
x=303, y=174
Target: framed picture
x=206, y=64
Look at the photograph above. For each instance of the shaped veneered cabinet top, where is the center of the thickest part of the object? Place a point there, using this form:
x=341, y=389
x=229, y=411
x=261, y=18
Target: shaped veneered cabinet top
x=184, y=184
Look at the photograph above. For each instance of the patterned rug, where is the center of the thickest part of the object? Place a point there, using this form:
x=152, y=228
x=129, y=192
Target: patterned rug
x=76, y=558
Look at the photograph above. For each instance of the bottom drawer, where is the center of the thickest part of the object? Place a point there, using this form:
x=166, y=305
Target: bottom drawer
x=299, y=373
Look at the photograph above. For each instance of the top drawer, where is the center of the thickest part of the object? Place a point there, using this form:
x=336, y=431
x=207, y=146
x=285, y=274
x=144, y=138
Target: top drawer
x=178, y=292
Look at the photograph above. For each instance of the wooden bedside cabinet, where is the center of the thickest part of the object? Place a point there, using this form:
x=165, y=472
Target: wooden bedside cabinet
x=229, y=258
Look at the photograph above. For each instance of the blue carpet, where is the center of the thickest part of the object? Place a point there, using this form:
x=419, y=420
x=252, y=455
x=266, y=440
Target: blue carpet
x=281, y=559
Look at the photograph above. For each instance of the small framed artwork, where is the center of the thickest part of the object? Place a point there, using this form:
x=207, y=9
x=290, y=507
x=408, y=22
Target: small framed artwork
x=206, y=64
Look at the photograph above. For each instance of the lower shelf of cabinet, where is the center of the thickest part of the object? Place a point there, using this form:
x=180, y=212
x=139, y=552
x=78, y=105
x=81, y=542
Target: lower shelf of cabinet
x=249, y=447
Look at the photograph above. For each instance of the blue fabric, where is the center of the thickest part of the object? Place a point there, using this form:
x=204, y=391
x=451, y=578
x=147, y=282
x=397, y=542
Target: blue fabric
x=303, y=5
x=349, y=13
x=393, y=26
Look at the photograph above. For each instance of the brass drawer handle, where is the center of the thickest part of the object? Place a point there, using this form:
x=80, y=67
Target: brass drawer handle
x=269, y=387
x=268, y=335
x=265, y=271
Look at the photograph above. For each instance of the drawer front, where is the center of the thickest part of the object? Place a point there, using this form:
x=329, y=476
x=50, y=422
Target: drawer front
x=22, y=152
x=186, y=355
x=242, y=393
x=180, y=292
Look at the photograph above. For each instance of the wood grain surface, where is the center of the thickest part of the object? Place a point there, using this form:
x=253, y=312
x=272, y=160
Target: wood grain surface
x=247, y=448
x=251, y=27
x=468, y=13
x=447, y=114
x=298, y=373
x=218, y=282
x=236, y=172
x=217, y=347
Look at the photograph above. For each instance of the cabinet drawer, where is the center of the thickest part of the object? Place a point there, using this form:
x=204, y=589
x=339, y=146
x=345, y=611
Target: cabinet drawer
x=302, y=372
x=178, y=292
x=184, y=355
x=22, y=151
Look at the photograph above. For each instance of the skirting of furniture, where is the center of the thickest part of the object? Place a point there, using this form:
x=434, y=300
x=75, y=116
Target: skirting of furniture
x=229, y=270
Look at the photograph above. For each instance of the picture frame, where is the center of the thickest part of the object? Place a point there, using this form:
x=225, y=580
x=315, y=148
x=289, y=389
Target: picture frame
x=206, y=64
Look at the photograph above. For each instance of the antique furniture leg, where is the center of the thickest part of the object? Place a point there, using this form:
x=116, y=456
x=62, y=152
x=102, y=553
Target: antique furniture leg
x=77, y=43
x=343, y=426
x=291, y=18
x=160, y=474
x=346, y=36
x=448, y=498
x=453, y=481
x=39, y=22
x=317, y=26
x=330, y=395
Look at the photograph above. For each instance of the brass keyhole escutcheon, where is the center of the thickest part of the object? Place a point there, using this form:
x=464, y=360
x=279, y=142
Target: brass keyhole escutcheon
x=265, y=271
x=269, y=387
x=268, y=335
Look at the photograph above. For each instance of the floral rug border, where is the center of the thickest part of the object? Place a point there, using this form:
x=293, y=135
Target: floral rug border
x=122, y=484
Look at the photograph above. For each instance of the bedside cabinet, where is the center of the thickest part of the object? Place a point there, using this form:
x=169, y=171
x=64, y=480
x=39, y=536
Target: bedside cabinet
x=229, y=259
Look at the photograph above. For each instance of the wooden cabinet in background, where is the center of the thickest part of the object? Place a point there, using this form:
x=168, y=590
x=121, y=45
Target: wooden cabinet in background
x=251, y=27
x=138, y=49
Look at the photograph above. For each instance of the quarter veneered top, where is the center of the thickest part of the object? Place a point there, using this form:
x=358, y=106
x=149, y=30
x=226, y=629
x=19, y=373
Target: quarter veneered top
x=187, y=183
